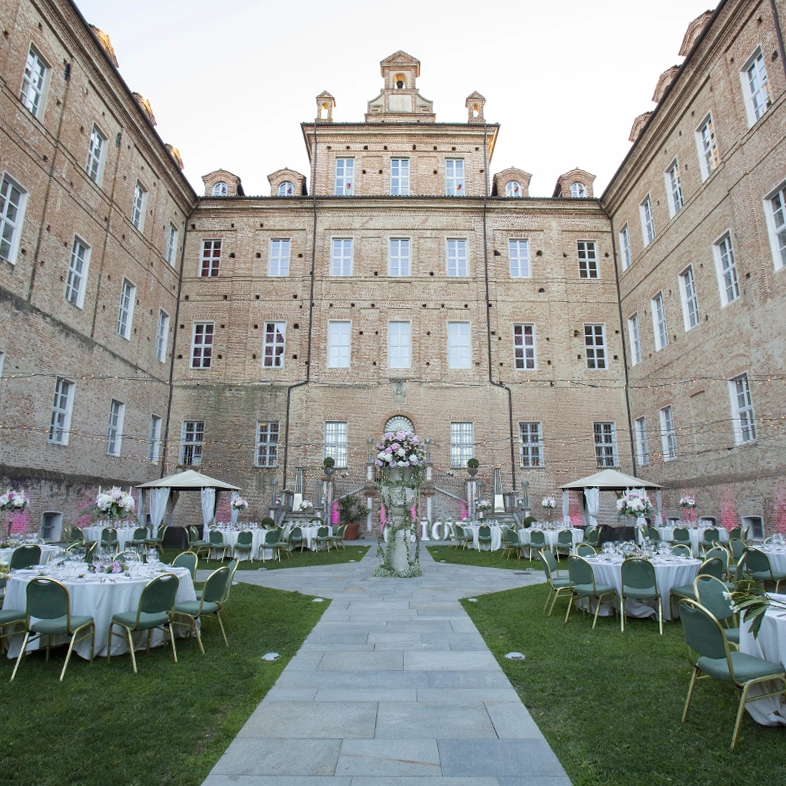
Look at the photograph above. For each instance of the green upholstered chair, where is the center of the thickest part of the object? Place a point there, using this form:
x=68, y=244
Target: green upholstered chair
x=209, y=605
x=512, y=543
x=217, y=544
x=682, y=535
x=337, y=538
x=592, y=536
x=583, y=585
x=108, y=539
x=156, y=541
x=323, y=537
x=187, y=559
x=681, y=550
x=713, y=595
x=9, y=620
x=709, y=539
x=710, y=567
x=138, y=538
x=757, y=564
x=558, y=585
x=25, y=556
x=585, y=550
x=271, y=542
x=537, y=541
x=245, y=544
x=639, y=582
x=653, y=534
x=484, y=536
x=296, y=539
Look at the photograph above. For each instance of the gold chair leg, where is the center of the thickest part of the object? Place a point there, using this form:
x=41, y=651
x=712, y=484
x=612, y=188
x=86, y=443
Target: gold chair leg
x=570, y=603
x=221, y=625
x=660, y=615
x=21, y=655
x=172, y=639
x=597, y=611
x=740, y=711
x=195, y=628
x=690, y=693
x=131, y=649
x=68, y=656
x=622, y=614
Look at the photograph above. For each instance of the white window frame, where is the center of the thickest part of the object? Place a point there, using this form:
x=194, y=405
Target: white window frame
x=457, y=257
x=642, y=444
x=192, y=443
x=671, y=178
x=62, y=408
x=171, y=244
x=524, y=349
x=605, y=442
x=578, y=191
x=11, y=217
x=659, y=327
x=278, y=259
x=267, y=441
x=689, y=298
x=518, y=257
x=344, y=182
x=286, y=189
x=742, y=415
x=726, y=269
x=707, y=147
x=668, y=435
x=336, y=442
x=530, y=444
x=96, y=155
x=125, y=314
x=587, y=251
x=339, y=343
x=627, y=257
x=114, y=433
x=274, y=344
x=454, y=177
x=462, y=443
x=220, y=189
x=202, y=349
x=400, y=344
x=78, y=266
x=139, y=206
x=634, y=338
x=342, y=253
x=162, y=335
x=35, y=81
x=399, y=176
x=596, y=353
x=459, y=345
x=775, y=211
x=399, y=257
x=154, y=441
x=755, y=87
x=513, y=189
x=210, y=259
x=647, y=220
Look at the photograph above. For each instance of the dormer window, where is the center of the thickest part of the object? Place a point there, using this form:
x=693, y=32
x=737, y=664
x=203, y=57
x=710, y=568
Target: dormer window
x=399, y=85
x=220, y=189
x=512, y=189
x=286, y=189
x=578, y=191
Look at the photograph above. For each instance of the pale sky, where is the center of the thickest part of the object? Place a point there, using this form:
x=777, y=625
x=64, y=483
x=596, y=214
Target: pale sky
x=230, y=82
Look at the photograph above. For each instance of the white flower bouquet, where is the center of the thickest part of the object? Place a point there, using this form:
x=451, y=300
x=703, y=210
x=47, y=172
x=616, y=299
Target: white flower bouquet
x=306, y=506
x=399, y=449
x=687, y=502
x=549, y=503
x=114, y=504
x=238, y=503
x=632, y=504
x=13, y=500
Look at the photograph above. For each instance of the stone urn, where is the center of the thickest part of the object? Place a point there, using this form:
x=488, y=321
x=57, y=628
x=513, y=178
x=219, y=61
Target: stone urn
x=398, y=500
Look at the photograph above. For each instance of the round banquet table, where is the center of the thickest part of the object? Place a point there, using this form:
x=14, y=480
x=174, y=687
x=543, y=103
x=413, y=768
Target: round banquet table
x=552, y=536
x=696, y=536
x=124, y=534
x=496, y=535
x=230, y=539
x=777, y=557
x=46, y=552
x=310, y=534
x=100, y=598
x=675, y=572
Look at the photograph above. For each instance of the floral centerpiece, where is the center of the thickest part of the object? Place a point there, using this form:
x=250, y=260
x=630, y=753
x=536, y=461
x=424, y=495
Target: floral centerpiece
x=238, y=503
x=482, y=505
x=116, y=505
x=306, y=506
x=13, y=502
x=401, y=458
x=549, y=504
x=633, y=504
x=687, y=502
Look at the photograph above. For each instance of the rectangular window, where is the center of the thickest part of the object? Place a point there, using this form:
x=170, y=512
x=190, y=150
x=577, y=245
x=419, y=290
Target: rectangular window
x=138, y=210
x=755, y=87
x=625, y=247
x=114, y=435
x=707, y=147
x=95, y=155
x=454, y=176
x=399, y=256
x=459, y=350
x=605, y=444
x=668, y=437
x=13, y=199
x=647, y=222
x=76, y=282
x=726, y=269
x=154, y=443
x=191, y=442
x=278, y=260
x=126, y=312
x=275, y=336
x=336, y=443
x=462, y=443
x=202, y=345
x=588, y=259
x=345, y=177
x=34, y=82
x=642, y=448
x=211, y=258
x=742, y=410
x=524, y=346
x=775, y=208
x=530, y=444
x=690, y=302
x=341, y=256
x=595, y=345
x=338, y=354
x=659, y=322
x=399, y=345
x=267, y=445
x=518, y=252
x=674, y=188
x=171, y=245
x=60, y=424
x=634, y=336
x=457, y=258
x=399, y=177
x=162, y=335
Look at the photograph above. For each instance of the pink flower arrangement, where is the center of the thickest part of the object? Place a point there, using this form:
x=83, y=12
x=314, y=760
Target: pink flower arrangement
x=399, y=449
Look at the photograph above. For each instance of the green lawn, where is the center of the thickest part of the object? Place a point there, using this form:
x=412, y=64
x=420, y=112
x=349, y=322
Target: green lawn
x=485, y=559
x=168, y=724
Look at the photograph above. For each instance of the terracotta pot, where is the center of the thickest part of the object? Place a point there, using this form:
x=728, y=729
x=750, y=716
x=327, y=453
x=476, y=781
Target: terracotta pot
x=351, y=532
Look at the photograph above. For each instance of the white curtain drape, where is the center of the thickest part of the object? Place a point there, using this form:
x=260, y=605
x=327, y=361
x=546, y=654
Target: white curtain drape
x=140, y=508
x=158, y=501
x=658, y=509
x=592, y=497
x=208, y=506
x=233, y=511
x=565, y=507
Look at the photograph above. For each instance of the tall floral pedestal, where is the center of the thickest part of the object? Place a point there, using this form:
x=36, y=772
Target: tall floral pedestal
x=399, y=557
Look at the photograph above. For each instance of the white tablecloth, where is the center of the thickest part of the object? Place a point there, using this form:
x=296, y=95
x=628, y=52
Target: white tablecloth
x=230, y=539
x=46, y=552
x=310, y=534
x=99, y=600
x=552, y=536
x=696, y=536
x=124, y=534
x=777, y=557
x=496, y=535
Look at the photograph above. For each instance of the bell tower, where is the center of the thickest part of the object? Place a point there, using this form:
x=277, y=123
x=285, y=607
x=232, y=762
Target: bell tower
x=399, y=100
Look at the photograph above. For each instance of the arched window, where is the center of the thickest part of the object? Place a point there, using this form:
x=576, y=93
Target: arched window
x=399, y=423
x=220, y=189
x=578, y=190
x=512, y=189
x=286, y=189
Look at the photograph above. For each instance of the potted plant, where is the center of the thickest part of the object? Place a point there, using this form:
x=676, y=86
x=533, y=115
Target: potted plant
x=350, y=511
x=328, y=463
x=529, y=521
x=472, y=466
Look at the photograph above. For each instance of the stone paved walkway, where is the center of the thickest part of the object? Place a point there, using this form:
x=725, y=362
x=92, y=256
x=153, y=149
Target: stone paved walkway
x=393, y=687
